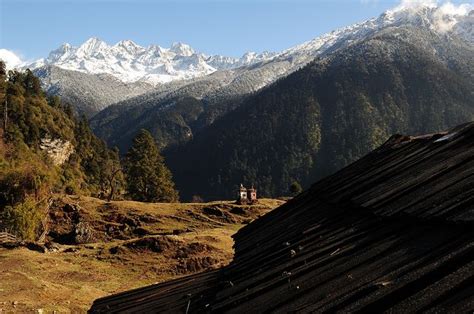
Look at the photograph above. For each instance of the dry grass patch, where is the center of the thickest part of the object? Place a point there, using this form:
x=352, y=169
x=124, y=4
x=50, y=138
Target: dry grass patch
x=134, y=244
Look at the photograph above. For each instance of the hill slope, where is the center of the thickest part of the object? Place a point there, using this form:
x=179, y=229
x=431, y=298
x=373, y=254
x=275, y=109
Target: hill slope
x=333, y=111
x=160, y=111
x=130, y=244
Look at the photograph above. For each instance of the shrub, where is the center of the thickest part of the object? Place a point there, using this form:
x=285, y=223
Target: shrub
x=24, y=219
x=25, y=177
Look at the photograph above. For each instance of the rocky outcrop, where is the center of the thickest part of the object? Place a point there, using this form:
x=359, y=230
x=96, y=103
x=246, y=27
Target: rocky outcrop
x=57, y=149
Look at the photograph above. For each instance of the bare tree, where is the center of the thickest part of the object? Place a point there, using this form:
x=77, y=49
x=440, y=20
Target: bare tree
x=113, y=182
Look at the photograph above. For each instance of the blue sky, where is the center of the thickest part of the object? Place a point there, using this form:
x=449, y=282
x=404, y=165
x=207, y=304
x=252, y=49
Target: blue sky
x=32, y=28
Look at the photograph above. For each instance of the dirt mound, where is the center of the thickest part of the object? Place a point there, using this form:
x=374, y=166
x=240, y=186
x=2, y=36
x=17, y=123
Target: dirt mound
x=69, y=224
x=219, y=214
x=119, y=218
x=239, y=211
x=192, y=249
x=152, y=244
x=213, y=211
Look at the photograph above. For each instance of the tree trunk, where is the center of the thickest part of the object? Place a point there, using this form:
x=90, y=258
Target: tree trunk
x=112, y=192
x=5, y=114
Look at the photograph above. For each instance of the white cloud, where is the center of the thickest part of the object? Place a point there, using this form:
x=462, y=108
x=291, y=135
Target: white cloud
x=10, y=58
x=416, y=4
x=446, y=7
x=452, y=9
x=445, y=16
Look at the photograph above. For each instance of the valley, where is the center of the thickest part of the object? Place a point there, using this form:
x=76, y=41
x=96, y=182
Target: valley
x=128, y=245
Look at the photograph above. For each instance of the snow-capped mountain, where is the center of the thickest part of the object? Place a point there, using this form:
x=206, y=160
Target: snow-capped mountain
x=446, y=19
x=130, y=62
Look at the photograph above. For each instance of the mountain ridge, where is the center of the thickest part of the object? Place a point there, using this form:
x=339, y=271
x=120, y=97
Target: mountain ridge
x=130, y=62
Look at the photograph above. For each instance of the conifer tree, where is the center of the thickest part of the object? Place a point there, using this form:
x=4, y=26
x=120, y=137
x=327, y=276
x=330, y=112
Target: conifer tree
x=148, y=178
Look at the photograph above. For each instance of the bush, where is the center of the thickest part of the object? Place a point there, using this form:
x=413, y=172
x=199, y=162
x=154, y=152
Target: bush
x=24, y=219
x=29, y=176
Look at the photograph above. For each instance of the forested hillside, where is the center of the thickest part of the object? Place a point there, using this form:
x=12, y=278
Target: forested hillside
x=176, y=111
x=44, y=148
x=330, y=113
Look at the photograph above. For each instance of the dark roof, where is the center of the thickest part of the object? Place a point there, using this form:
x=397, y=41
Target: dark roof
x=393, y=231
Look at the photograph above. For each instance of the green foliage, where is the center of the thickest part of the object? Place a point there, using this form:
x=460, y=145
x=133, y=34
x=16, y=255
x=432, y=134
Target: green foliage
x=29, y=176
x=31, y=117
x=148, y=179
x=24, y=219
x=295, y=188
x=100, y=165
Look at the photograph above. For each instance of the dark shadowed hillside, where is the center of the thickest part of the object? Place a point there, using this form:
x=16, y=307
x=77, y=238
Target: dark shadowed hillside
x=333, y=111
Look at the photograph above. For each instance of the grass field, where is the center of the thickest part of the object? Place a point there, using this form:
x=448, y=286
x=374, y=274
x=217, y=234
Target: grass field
x=134, y=244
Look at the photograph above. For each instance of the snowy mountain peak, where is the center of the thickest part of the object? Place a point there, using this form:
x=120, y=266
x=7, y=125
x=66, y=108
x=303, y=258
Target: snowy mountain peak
x=62, y=52
x=127, y=49
x=127, y=43
x=182, y=49
x=91, y=46
x=129, y=46
x=131, y=62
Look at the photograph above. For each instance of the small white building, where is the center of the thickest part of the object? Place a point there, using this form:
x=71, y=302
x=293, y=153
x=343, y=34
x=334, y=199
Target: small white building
x=246, y=196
